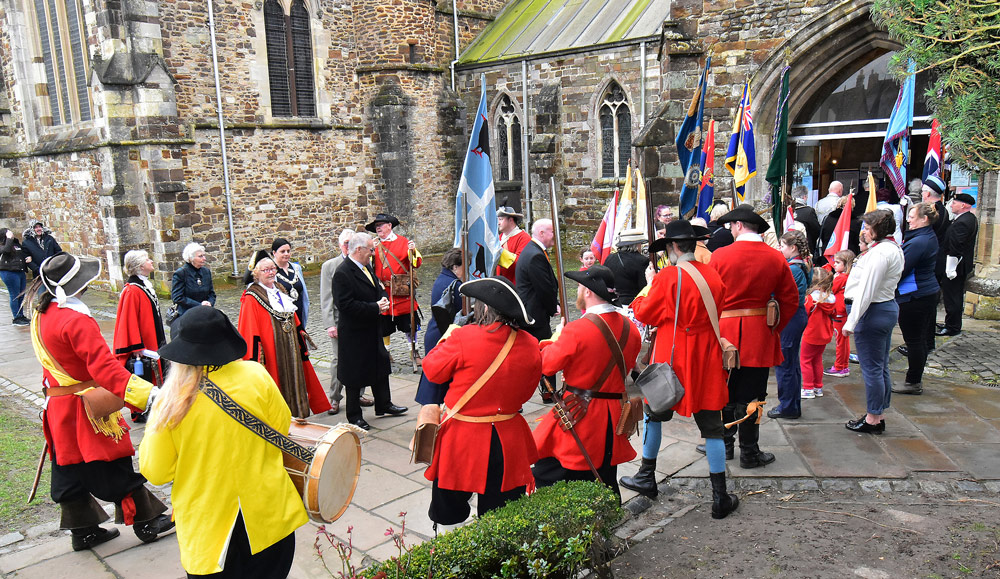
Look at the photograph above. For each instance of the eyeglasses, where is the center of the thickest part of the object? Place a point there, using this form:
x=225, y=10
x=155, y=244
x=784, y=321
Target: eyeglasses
x=268, y=269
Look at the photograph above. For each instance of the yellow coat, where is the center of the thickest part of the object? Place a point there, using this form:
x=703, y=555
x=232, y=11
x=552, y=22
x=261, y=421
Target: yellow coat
x=219, y=468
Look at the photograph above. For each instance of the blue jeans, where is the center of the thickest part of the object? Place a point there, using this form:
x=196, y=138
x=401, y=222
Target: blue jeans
x=872, y=336
x=14, y=280
x=789, y=373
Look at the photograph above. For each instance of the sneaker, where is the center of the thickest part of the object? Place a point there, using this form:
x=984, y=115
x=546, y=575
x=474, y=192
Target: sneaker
x=808, y=394
x=21, y=321
x=854, y=359
x=818, y=392
x=831, y=371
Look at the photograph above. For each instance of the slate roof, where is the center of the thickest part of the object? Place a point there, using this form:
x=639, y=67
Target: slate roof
x=530, y=27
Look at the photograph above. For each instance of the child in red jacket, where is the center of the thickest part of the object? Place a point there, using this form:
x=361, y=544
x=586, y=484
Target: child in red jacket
x=822, y=305
x=842, y=262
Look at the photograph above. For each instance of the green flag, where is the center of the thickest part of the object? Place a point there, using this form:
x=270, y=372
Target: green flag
x=779, y=155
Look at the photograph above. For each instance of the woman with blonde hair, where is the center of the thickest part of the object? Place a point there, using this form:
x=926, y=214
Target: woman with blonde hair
x=235, y=506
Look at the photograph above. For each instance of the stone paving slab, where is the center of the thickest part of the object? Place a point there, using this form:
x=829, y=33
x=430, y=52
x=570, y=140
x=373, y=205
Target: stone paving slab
x=161, y=557
x=71, y=566
x=787, y=463
x=830, y=450
x=960, y=426
x=919, y=454
x=980, y=460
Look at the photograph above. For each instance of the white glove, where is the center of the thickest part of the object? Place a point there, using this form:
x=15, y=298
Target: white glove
x=154, y=393
x=950, y=267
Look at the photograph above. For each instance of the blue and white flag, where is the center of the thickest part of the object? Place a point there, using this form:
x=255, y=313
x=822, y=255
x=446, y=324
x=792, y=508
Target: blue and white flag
x=896, y=147
x=476, y=200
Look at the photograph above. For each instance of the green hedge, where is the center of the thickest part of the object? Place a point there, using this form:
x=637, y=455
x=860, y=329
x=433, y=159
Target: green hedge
x=556, y=532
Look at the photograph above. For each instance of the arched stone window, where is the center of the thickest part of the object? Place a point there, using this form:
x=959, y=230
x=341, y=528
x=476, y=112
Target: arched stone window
x=289, y=59
x=508, y=127
x=616, y=132
x=62, y=49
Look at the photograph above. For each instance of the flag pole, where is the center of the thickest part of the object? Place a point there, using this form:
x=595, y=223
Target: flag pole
x=558, y=239
x=465, y=252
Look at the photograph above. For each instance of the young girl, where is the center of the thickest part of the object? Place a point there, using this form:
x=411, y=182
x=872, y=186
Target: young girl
x=587, y=259
x=823, y=306
x=795, y=247
x=842, y=262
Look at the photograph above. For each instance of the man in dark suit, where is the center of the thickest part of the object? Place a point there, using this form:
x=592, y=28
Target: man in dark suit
x=806, y=215
x=362, y=357
x=536, y=284
x=956, y=257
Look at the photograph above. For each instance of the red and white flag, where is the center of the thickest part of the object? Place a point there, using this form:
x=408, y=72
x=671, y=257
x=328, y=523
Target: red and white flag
x=604, y=239
x=841, y=232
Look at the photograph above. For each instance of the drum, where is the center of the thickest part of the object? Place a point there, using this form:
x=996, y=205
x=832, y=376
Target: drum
x=328, y=482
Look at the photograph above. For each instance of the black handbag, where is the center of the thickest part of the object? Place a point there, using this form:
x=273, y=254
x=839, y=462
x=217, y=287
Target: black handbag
x=659, y=383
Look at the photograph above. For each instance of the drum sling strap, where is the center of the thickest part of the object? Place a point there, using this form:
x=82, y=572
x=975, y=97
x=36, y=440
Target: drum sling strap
x=254, y=424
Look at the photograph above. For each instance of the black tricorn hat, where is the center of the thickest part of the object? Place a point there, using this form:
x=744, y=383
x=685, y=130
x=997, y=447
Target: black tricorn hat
x=382, y=218
x=65, y=275
x=498, y=293
x=598, y=279
x=204, y=336
x=746, y=214
x=679, y=230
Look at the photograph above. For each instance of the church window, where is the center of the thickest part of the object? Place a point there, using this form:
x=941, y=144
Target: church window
x=289, y=59
x=508, y=141
x=616, y=132
x=62, y=48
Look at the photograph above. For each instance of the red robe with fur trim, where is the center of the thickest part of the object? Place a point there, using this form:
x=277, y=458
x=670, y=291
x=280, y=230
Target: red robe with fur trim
x=135, y=325
x=254, y=325
x=582, y=353
x=462, y=449
x=514, y=244
x=385, y=266
x=74, y=340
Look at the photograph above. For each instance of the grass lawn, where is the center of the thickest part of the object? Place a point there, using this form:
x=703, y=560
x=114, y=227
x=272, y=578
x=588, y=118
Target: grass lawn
x=21, y=442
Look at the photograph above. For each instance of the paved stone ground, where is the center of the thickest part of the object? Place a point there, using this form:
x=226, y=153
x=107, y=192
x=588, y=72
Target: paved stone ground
x=945, y=442
x=974, y=351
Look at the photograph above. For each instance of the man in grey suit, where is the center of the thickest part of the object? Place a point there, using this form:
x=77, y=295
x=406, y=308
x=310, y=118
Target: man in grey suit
x=330, y=317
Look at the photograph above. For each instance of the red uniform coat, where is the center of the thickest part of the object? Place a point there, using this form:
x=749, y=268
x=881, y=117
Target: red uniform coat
x=698, y=355
x=135, y=325
x=254, y=325
x=582, y=353
x=385, y=266
x=462, y=450
x=75, y=341
x=514, y=244
x=753, y=272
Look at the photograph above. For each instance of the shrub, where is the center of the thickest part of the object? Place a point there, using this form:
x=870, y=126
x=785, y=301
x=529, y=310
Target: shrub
x=557, y=531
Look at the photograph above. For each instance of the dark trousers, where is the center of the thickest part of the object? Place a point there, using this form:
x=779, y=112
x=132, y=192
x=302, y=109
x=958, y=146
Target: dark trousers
x=74, y=487
x=273, y=562
x=451, y=507
x=746, y=385
x=789, y=372
x=548, y=471
x=953, y=296
x=916, y=321
x=380, y=390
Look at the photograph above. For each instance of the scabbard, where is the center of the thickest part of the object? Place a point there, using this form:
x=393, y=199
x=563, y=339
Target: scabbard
x=38, y=472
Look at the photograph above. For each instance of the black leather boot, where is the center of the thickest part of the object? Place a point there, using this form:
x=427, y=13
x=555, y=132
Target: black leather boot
x=90, y=537
x=751, y=456
x=151, y=530
x=723, y=502
x=644, y=481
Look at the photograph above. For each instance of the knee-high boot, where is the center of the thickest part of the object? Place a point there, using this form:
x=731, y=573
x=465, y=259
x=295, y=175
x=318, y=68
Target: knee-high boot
x=644, y=481
x=751, y=456
x=723, y=502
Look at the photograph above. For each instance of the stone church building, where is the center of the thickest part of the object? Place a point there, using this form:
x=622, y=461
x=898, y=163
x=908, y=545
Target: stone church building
x=334, y=110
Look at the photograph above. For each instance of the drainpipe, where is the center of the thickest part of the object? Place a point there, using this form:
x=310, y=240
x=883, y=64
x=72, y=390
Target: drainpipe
x=222, y=137
x=642, y=85
x=524, y=141
x=454, y=16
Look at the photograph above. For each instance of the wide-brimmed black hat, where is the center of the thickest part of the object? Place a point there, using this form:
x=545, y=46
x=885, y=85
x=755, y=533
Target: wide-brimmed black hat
x=598, y=279
x=382, y=218
x=964, y=198
x=679, y=230
x=498, y=293
x=204, y=336
x=746, y=214
x=65, y=275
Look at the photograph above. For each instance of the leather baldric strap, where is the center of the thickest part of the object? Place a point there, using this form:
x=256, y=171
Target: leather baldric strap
x=493, y=418
x=590, y=394
x=706, y=296
x=744, y=313
x=67, y=390
x=617, y=348
x=478, y=384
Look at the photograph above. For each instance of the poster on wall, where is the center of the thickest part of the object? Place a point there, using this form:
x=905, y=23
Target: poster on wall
x=849, y=178
x=803, y=175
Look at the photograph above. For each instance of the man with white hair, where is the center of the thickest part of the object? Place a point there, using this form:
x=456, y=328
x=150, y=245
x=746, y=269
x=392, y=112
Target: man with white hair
x=827, y=204
x=330, y=317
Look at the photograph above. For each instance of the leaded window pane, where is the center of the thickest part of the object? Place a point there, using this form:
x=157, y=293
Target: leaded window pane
x=305, y=98
x=607, y=142
x=277, y=59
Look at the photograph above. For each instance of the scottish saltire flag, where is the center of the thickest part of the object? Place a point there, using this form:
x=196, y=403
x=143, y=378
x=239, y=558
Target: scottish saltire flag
x=689, y=141
x=896, y=147
x=741, y=156
x=476, y=200
x=932, y=162
x=604, y=239
x=706, y=192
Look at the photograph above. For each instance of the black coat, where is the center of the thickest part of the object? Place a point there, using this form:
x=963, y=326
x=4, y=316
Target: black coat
x=941, y=223
x=960, y=241
x=629, y=268
x=537, y=286
x=807, y=217
x=11, y=253
x=721, y=237
x=39, y=249
x=190, y=286
x=363, y=359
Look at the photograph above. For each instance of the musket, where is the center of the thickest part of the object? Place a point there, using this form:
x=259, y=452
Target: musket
x=559, y=258
x=38, y=472
x=564, y=419
x=414, y=354
x=651, y=226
